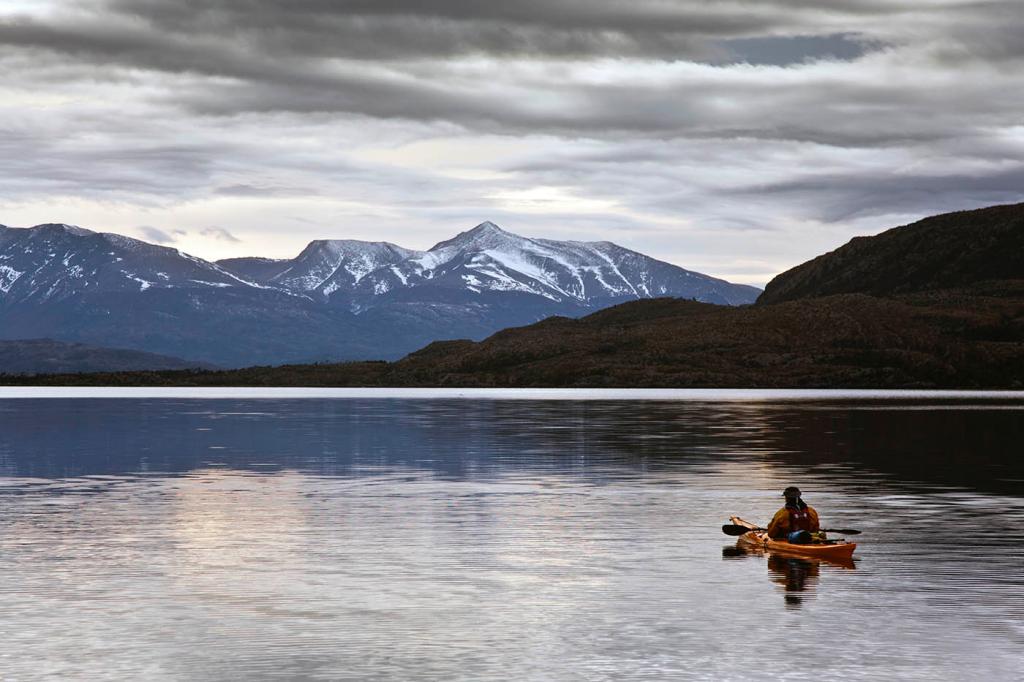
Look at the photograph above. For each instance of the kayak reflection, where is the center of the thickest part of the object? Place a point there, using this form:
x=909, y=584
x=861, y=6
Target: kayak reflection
x=795, y=575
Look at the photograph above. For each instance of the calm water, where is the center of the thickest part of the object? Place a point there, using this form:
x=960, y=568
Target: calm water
x=207, y=539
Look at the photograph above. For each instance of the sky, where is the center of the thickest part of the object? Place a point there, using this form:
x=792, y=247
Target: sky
x=735, y=137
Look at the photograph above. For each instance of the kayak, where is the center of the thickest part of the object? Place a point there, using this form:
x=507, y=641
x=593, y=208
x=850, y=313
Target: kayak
x=743, y=549
x=833, y=550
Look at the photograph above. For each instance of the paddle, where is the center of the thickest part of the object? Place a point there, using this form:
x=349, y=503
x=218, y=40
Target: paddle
x=733, y=529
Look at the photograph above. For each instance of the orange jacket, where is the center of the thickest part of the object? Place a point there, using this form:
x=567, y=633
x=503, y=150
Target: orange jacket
x=779, y=526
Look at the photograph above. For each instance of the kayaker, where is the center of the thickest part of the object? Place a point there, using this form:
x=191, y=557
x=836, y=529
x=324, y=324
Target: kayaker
x=797, y=522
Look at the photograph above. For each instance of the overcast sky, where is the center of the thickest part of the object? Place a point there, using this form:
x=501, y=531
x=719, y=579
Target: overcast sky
x=736, y=138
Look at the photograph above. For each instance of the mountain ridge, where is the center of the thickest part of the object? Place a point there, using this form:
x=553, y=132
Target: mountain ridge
x=487, y=257
x=337, y=300
x=918, y=334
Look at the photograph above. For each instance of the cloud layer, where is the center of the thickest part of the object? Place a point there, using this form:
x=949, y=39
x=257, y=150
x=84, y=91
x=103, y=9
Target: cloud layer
x=738, y=137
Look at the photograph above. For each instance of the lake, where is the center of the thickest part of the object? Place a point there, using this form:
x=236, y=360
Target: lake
x=183, y=534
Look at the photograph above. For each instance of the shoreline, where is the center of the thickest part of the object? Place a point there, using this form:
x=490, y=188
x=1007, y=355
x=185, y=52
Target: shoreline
x=553, y=394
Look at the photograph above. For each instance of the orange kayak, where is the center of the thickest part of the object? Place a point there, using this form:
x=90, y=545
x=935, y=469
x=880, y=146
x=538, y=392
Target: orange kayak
x=834, y=550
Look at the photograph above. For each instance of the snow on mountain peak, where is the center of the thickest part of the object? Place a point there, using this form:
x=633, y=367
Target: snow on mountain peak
x=484, y=233
x=487, y=226
x=331, y=264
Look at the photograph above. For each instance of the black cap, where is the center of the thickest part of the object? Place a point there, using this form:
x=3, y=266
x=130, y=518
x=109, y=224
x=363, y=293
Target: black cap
x=791, y=492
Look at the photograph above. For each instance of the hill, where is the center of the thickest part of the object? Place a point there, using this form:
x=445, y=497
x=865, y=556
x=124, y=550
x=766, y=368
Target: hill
x=942, y=252
x=969, y=338
x=46, y=356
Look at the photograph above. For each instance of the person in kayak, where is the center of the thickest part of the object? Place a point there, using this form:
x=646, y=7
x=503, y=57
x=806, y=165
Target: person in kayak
x=797, y=522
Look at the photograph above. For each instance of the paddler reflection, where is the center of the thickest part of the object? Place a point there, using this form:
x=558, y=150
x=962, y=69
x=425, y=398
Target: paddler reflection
x=795, y=575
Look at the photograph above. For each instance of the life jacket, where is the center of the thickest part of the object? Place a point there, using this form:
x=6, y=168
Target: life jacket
x=799, y=518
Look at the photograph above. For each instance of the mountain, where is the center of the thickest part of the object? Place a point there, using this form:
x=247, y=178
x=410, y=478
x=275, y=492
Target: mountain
x=55, y=262
x=951, y=317
x=70, y=284
x=940, y=252
x=337, y=300
x=936, y=304
x=485, y=259
x=46, y=356
x=324, y=266
x=585, y=274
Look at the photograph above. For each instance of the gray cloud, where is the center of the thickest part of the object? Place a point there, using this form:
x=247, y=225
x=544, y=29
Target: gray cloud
x=389, y=30
x=155, y=234
x=247, y=190
x=210, y=36
x=787, y=50
x=726, y=121
x=270, y=56
x=159, y=236
x=221, y=234
x=843, y=196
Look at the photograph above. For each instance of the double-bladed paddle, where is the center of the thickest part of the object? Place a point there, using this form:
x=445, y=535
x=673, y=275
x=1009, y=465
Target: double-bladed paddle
x=734, y=529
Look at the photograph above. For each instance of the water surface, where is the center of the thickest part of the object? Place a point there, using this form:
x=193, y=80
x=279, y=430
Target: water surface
x=438, y=538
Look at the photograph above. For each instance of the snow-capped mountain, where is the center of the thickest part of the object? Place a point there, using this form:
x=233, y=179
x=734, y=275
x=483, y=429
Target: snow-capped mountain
x=592, y=274
x=329, y=265
x=69, y=284
x=336, y=300
x=324, y=266
x=486, y=259
x=56, y=261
